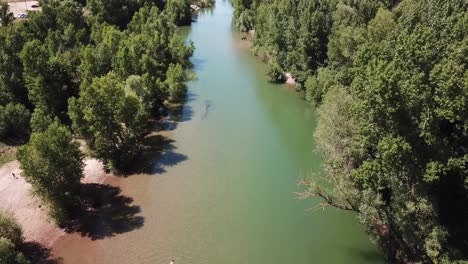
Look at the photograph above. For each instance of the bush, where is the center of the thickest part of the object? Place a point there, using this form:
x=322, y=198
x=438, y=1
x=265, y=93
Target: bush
x=10, y=229
x=9, y=254
x=246, y=20
x=40, y=120
x=314, y=91
x=14, y=121
x=274, y=72
x=179, y=12
x=175, y=82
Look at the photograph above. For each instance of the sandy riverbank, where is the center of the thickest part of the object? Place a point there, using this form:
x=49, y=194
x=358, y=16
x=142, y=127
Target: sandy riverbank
x=15, y=196
x=290, y=79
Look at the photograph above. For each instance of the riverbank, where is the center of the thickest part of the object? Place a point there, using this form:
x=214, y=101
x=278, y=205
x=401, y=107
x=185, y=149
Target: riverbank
x=16, y=196
x=247, y=43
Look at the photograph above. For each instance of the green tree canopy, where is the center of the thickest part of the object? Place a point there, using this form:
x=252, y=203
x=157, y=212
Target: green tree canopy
x=14, y=121
x=178, y=12
x=9, y=228
x=8, y=253
x=111, y=121
x=402, y=167
x=52, y=158
x=6, y=17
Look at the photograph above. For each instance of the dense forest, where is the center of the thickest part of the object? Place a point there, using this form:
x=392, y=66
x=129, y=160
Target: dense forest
x=390, y=82
x=97, y=71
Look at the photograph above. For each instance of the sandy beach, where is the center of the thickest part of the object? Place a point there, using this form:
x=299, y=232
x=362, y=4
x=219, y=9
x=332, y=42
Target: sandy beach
x=16, y=197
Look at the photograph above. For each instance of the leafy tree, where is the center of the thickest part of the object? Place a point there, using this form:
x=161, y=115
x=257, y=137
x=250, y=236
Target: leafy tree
x=53, y=164
x=47, y=78
x=178, y=12
x=10, y=229
x=6, y=17
x=175, y=82
x=8, y=253
x=245, y=21
x=136, y=54
x=112, y=122
x=150, y=91
x=274, y=72
x=389, y=78
x=14, y=121
x=96, y=60
x=114, y=12
x=11, y=236
x=401, y=162
x=58, y=17
x=40, y=120
x=12, y=87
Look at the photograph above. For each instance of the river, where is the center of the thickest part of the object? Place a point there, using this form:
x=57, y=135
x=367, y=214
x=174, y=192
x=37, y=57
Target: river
x=222, y=187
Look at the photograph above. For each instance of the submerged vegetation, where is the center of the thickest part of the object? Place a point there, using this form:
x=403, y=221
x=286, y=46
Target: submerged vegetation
x=391, y=84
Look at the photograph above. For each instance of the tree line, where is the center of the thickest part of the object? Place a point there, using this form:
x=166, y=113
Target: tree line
x=94, y=70
x=390, y=82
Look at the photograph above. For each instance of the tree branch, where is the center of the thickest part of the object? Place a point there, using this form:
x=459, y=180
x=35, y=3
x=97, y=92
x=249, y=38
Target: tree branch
x=327, y=199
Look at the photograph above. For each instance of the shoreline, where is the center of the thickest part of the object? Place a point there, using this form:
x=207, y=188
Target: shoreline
x=16, y=197
x=246, y=42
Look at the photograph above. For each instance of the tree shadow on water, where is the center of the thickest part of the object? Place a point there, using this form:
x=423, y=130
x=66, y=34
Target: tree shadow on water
x=158, y=154
x=104, y=212
x=180, y=112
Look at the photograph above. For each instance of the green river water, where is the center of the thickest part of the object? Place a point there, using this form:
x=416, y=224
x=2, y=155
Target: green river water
x=223, y=189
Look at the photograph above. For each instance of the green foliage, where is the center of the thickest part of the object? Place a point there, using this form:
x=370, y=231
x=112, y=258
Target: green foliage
x=10, y=229
x=52, y=158
x=314, y=92
x=175, y=81
x=245, y=22
x=390, y=80
x=8, y=253
x=274, y=72
x=6, y=17
x=40, y=120
x=96, y=60
x=407, y=149
x=12, y=88
x=114, y=12
x=110, y=115
x=47, y=78
x=112, y=122
x=48, y=58
x=14, y=121
x=11, y=236
x=294, y=32
x=178, y=12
